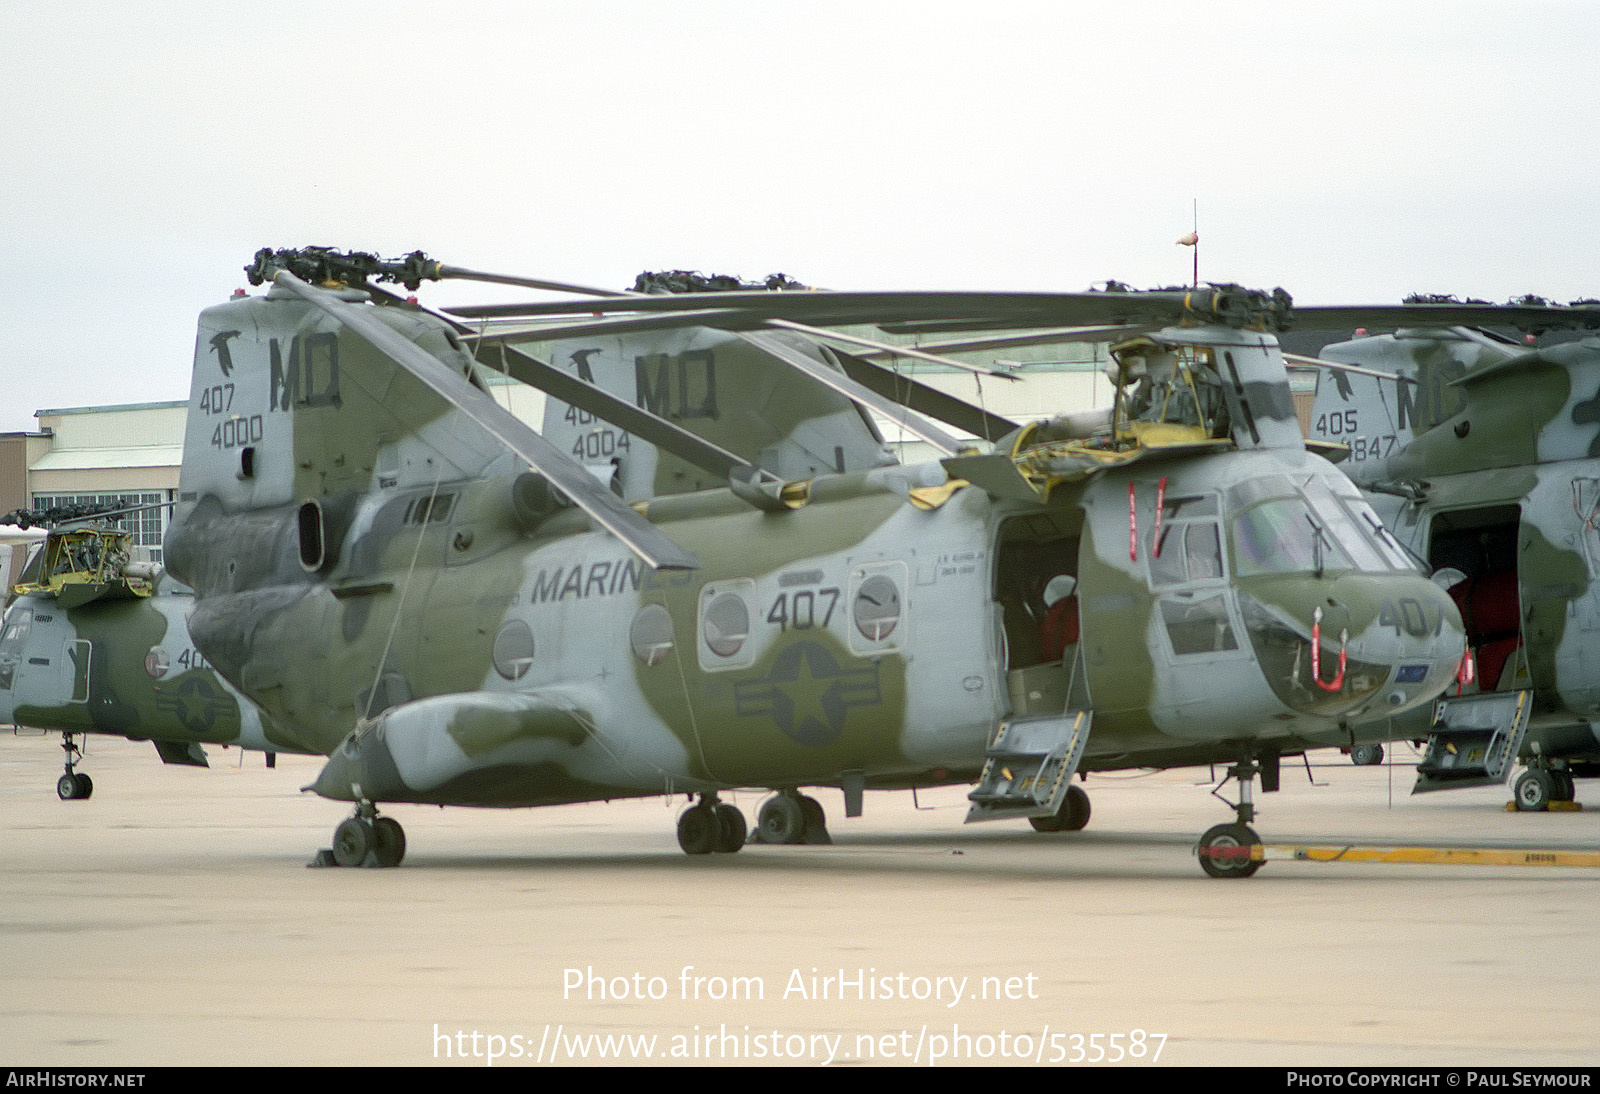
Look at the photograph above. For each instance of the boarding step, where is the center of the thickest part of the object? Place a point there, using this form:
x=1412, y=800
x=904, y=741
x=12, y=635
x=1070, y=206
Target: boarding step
x=1029, y=765
x=1475, y=740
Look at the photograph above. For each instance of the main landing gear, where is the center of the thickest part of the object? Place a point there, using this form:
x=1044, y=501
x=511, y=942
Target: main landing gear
x=1538, y=787
x=1224, y=849
x=787, y=817
x=365, y=839
x=711, y=826
x=791, y=817
x=74, y=785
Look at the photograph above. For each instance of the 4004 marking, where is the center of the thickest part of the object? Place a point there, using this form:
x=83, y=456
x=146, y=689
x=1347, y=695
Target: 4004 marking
x=599, y=442
x=237, y=432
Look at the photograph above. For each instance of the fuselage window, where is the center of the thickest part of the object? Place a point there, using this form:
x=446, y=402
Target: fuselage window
x=651, y=634
x=726, y=624
x=1198, y=626
x=513, y=650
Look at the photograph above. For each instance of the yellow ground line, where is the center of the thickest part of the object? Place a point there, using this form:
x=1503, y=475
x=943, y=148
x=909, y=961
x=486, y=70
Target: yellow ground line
x=1440, y=856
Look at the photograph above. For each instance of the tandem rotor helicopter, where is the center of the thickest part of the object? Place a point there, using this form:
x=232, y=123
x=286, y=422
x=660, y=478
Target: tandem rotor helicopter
x=95, y=640
x=746, y=589
x=1483, y=456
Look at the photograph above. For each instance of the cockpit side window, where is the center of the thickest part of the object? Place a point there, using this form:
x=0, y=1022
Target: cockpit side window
x=12, y=640
x=1188, y=547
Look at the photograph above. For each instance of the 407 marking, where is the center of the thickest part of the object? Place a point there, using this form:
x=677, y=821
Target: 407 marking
x=801, y=610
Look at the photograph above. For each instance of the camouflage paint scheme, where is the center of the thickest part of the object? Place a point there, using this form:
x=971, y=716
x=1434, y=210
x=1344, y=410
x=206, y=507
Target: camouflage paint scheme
x=1503, y=440
x=379, y=574
x=124, y=667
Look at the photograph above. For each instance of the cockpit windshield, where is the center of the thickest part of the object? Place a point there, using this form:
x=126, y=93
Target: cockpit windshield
x=1281, y=537
x=1313, y=531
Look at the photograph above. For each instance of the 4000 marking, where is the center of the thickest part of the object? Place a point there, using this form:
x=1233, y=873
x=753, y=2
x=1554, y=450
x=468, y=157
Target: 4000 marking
x=237, y=432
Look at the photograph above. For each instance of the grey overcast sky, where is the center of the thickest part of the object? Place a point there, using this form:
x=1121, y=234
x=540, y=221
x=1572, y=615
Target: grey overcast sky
x=1351, y=152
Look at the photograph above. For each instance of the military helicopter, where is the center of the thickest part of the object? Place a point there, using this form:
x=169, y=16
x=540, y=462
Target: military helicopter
x=1482, y=456
x=458, y=612
x=94, y=640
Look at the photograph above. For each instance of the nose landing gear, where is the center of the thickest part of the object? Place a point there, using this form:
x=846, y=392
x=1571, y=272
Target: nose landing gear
x=365, y=839
x=74, y=785
x=1227, y=850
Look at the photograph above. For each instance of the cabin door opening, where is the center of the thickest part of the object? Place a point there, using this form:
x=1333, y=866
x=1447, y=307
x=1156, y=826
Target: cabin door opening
x=1480, y=546
x=1037, y=602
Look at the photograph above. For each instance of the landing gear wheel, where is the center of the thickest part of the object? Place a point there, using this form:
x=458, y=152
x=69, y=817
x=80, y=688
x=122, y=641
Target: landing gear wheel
x=351, y=842
x=73, y=786
x=1534, y=790
x=731, y=828
x=699, y=829
x=783, y=819
x=1228, y=838
x=1369, y=755
x=1566, y=790
x=388, y=841
x=1070, y=817
x=816, y=830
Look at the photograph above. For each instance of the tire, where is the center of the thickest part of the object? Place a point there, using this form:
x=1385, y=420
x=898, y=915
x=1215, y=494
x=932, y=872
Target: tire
x=388, y=841
x=731, y=828
x=67, y=787
x=1225, y=837
x=1368, y=755
x=351, y=842
x=699, y=830
x=1534, y=791
x=1072, y=816
x=782, y=820
x=816, y=829
x=1566, y=790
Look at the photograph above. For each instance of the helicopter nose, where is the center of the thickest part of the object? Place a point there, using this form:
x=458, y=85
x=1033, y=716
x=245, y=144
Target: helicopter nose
x=1356, y=645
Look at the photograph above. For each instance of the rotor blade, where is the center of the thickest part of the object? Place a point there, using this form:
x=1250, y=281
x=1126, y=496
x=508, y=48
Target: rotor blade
x=583, y=489
x=847, y=387
x=925, y=399
x=1012, y=310
x=883, y=347
x=537, y=283
x=1339, y=366
x=720, y=318
x=1388, y=316
x=460, y=274
x=1048, y=337
x=685, y=313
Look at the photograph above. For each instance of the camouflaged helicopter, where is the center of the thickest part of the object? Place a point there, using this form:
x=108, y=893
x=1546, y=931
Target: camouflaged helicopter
x=1483, y=457
x=95, y=641
x=458, y=612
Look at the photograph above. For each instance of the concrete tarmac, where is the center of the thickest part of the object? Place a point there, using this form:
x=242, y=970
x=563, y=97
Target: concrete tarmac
x=171, y=919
